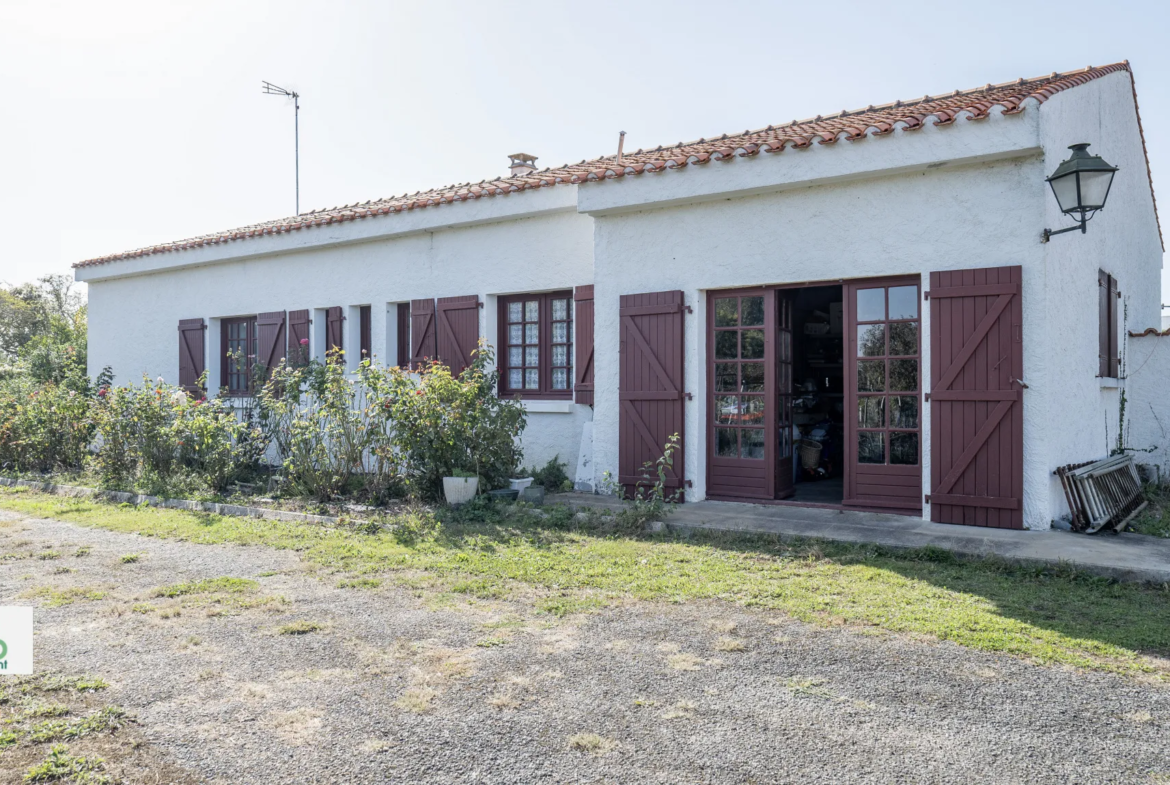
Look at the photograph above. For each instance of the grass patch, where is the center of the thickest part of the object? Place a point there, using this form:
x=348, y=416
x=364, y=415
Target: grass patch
x=591, y=742
x=727, y=643
x=1050, y=615
x=416, y=699
x=810, y=686
x=491, y=643
x=130, y=558
x=104, y=720
x=1155, y=519
x=359, y=583
x=209, y=586
x=55, y=598
x=301, y=627
x=61, y=766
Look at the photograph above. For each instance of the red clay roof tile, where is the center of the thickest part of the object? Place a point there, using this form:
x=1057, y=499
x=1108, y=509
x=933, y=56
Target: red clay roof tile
x=848, y=125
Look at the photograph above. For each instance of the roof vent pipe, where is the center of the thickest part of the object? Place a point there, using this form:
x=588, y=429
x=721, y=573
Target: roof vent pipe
x=521, y=164
x=621, y=144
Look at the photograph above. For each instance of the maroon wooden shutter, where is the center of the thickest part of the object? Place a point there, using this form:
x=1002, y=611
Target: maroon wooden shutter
x=1107, y=295
x=298, y=337
x=976, y=397
x=271, y=339
x=334, y=320
x=583, y=359
x=422, y=331
x=458, y=331
x=403, y=315
x=365, y=337
x=650, y=386
x=192, y=361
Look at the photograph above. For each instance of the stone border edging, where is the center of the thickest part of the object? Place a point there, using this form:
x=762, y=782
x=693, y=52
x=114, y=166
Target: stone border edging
x=238, y=510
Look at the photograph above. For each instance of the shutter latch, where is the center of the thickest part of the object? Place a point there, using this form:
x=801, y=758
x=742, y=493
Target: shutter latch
x=690, y=396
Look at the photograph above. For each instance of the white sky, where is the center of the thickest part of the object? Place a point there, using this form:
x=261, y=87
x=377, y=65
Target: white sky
x=123, y=124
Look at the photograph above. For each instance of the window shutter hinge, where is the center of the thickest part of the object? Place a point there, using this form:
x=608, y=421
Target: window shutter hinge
x=690, y=396
x=927, y=497
x=689, y=483
x=926, y=397
x=926, y=295
x=689, y=309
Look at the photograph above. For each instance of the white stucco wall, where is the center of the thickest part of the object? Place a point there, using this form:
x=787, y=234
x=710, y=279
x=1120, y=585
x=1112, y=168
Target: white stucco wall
x=956, y=197
x=1147, y=410
x=542, y=244
x=1081, y=412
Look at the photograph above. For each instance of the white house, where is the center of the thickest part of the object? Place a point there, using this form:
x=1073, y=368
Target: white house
x=875, y=281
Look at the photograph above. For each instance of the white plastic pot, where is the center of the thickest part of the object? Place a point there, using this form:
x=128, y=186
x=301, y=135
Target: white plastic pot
x=520, y=484
x=460, y=490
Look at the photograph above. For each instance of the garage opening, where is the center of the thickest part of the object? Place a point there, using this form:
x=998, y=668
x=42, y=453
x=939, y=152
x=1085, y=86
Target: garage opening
x=818, y=395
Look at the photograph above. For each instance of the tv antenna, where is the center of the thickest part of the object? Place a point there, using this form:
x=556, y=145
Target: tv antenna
x=271, y=89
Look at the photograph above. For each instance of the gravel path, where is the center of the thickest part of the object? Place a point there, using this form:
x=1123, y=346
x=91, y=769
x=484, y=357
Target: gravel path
x=406, y=683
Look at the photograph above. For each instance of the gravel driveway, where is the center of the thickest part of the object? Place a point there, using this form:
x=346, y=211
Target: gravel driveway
x=408, y=683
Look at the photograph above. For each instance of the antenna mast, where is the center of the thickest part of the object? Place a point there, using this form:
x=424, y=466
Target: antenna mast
x=271, y=89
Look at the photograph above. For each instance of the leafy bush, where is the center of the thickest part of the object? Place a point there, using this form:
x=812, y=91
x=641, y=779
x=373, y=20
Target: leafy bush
x=553, y=476
x=439, y=424
x=44, y=427
x=649, y=500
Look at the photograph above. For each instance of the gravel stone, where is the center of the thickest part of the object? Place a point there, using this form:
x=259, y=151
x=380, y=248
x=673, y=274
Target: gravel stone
x=406, y=685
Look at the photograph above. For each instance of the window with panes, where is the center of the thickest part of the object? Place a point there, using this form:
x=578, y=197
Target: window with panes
x=536, y=360
x=888, y=388
x=240, y=347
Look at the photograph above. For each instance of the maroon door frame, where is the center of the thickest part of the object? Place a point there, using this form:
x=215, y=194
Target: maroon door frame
x=886, y=485
x=728, y=408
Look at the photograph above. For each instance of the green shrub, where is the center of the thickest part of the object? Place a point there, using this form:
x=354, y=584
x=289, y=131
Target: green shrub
x=44, y=427
x=438, y=424
x=553, y=476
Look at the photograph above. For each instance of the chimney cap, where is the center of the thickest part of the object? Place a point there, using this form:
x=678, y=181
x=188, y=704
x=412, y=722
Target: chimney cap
x=521, y=163
x=522, y=158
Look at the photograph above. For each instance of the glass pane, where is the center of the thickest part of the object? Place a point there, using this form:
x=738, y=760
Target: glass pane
x=903, y=375
x=753, y=344
x=725, y=443
x=531, y=310
x=903, y=412
x=903, y=302
x=531, y=356
x=753, y=377
x=560, y=379
x=871, y=305
x=871, y=447
x=725, y=377
x=752, y=444
x=871, y=340
x=904, y=448
x=515, y=312
x=531, y=379
x=516, y=379
x=531, y=333
x=560, y=332
x=1094, y=188
x=904, y=338
x=726, y=312
x=515, y=356
x=753, y=310
x=871, y=411
x=725, y=345
x=871, y=375
x=560, y=355
x=726, y=409
x=560, y=309
x=515, y=334
x=753, y=410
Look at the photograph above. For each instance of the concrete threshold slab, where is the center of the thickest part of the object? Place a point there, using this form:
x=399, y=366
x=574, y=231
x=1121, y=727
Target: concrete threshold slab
x=1126, y=557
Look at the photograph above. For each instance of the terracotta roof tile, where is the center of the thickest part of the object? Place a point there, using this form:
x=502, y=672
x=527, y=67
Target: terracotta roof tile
x=912, y=115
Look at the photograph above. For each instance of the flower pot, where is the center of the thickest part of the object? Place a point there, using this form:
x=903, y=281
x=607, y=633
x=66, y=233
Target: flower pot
x=520, y=484
x=460, y=490
x=533, y=494
x=504, y=495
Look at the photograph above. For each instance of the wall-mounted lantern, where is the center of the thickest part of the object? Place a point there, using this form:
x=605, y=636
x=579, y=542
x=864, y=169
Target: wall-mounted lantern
x=1081, y=186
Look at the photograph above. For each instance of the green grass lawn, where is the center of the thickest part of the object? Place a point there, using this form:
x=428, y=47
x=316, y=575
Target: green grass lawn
x=1053, y=616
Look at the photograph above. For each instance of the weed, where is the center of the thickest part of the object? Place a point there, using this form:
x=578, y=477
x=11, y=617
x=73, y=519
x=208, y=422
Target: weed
x=54, y=598
x=684, y=662
x=63, y=570
x=209, y=586
x=359, y=583
x=591, y=742
x=730, y=644
x=60, y=765
x=416, y=699
x=810, y=686
x=130, y=558
x=82, y=551
x=48, y=555
x=301, y=627
x=488, y=643
x=682, y=710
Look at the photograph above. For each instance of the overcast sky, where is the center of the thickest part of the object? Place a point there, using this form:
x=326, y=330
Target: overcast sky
x=124, y=124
